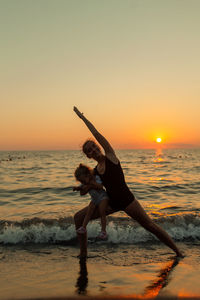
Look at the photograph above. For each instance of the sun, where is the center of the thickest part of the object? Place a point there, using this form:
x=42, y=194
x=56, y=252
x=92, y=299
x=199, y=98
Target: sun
x=158, y=140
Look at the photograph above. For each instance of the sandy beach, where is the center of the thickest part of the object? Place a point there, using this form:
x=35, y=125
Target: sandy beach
x=54, y=272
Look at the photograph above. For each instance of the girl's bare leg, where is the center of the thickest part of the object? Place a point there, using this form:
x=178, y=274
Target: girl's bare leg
x=136, y=211
x=78, y=219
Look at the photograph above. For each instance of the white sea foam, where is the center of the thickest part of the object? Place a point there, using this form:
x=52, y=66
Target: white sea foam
x=180, y=228
x=36, y=234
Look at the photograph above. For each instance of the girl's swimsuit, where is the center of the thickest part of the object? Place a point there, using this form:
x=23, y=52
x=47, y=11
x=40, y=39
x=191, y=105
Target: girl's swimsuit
x=113, y=179
x=98, y=195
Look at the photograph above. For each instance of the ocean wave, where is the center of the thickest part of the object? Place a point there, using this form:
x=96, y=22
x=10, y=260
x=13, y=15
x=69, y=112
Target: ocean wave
x=120, y=230
x=37, y=190
x=184, y=188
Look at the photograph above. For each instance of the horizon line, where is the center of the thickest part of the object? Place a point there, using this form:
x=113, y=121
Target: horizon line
x=163, y=147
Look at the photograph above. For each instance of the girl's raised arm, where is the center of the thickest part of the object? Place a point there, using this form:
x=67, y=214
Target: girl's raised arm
x=100, y=138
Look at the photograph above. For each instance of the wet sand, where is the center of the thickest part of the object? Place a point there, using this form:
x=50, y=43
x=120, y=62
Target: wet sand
x=54, y=272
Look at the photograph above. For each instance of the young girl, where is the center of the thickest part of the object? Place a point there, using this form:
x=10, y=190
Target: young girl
x=93, y=185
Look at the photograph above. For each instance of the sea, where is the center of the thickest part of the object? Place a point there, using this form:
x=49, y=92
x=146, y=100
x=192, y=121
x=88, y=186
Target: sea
x=37, y=201
x=37, y=205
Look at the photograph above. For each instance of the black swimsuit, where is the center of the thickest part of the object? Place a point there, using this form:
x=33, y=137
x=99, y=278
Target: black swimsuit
x=113, y=179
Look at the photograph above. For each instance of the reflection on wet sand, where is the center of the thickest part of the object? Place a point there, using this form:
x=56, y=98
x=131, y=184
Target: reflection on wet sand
x=163, y=279
x=150, y=291
x=82, y=280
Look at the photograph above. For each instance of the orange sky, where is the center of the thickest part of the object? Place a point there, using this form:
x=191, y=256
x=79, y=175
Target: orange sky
x=132, y=67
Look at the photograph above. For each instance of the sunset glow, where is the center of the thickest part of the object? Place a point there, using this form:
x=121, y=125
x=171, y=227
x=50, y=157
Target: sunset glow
x=49, y=65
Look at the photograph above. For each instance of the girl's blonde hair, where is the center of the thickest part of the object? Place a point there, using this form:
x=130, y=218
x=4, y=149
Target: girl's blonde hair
x=82, y=170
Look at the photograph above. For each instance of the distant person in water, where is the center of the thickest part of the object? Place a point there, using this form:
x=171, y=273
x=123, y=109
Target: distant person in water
x=92, y=184
x=120, y=197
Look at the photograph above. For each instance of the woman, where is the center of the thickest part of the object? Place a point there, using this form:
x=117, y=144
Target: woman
x=120, y=197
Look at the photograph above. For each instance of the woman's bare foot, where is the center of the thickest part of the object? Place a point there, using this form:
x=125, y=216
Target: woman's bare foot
x=82, y=254
x=179, y=254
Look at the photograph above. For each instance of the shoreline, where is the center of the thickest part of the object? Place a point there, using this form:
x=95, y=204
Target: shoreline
x=125, y=272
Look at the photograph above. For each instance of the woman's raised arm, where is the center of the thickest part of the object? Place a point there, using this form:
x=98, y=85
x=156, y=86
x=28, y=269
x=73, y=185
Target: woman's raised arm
x=100, y=138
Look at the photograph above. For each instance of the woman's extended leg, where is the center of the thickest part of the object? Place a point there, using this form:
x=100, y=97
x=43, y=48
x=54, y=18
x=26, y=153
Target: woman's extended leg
x=102, y=210
x=136, y=211
x=78, y=219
